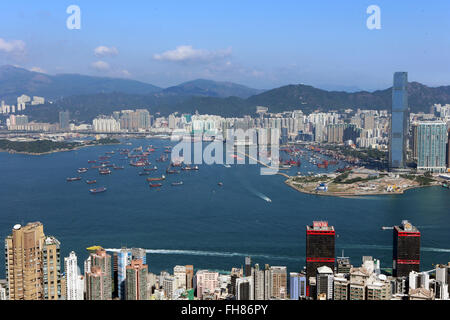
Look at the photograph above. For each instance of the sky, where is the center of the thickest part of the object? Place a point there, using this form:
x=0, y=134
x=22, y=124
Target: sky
x=258, y=43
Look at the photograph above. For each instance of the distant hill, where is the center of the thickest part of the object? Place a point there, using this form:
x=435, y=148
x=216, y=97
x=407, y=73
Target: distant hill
x=209, y=88
x=86, y=96
x=16, y=81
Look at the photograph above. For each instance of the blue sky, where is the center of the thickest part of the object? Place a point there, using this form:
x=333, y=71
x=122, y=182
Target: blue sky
x=263, y=44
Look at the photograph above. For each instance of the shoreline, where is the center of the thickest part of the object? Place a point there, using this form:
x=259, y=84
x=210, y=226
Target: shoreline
x=355, y=195
x=57, y=150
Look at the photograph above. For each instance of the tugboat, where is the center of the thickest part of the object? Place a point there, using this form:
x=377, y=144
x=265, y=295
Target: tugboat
x=73, y=179
x=98, y=190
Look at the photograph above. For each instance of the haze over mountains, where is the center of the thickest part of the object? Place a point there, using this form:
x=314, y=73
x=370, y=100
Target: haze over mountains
x=87, y=96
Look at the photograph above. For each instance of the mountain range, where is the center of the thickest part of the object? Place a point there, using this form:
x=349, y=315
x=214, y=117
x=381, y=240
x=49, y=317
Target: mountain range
x=86, y=96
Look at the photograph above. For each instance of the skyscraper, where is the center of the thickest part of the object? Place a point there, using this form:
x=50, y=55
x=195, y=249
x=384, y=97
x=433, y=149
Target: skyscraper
x=98, y=276
x=244, y=288
x=52, y=269
x=248, y=267
x=406, y=249
x=399, y=122
x=189, y=277
x=324, y=283
x=64, y=118
x=320, y=248
x=24, y=262
x=278, y=280
x=431, y=146
x=124, y=257
x=136, y=281
x=74, y=280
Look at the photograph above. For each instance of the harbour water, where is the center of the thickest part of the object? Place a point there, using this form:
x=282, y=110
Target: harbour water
x=202, y=223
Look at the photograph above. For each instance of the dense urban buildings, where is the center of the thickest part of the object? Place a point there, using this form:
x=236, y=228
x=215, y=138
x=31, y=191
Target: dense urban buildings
x=33, y=273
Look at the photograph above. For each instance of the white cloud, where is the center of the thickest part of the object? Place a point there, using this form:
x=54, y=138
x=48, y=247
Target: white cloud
x=37, y=69
x=13, y=47
x=101, y=66
x=187, y=54
x=103, y=51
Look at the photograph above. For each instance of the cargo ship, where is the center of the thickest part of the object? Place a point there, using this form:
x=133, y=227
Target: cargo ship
x=98, y=190
x=138, y=164
x=91, y=181
x=144, y=173
x=156, y=179
x=104, y=171
x=155, y=185
x=73, y=179
x=168, y=171
x=92, y=161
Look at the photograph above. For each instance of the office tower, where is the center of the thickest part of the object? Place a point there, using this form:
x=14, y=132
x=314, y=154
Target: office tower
x=52, y=269
x=64, y=119
x=324, y=283
x=124, y=257
x=189, y=277
x=98, y=276
x=207, y=281
x=136, y=281
x=138, y=253
x=236, y=273
x=74, y=280
x=406, y=249
x=258, y=283
x=244, y=288
x=443, y=276
x=320, y=250
x=343, y=265
x=431, y=146
x=399, y=122
x=179, y=273
x=24, y=265
x=248, y=267
x=278, y=280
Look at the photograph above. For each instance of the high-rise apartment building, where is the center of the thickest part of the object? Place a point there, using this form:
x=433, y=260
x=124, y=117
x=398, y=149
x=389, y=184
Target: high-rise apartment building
x=278, y=281
x=406, y=249
x=179, y=272
x=189, y=277
x=244, y=288
x=324, y=282
x=431, y=145
x=207, y=281
x=399, y=122
x=124, y=257
x=98, y=276
x=136, y=281
x=51, y=269
x=74, y=280
x=24, y=262
x=64, y=119
x=320, y=248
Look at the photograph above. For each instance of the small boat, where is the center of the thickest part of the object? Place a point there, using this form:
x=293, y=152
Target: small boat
x=151, y=169
x=177, y=183
x=220, y=184
x=118, y=168
x=98, y=190
x=82, y=170
x=155, y=185
x=91, y=181
x=227, y=166
x=144, y=173
x=156, y=179
x=73, y=179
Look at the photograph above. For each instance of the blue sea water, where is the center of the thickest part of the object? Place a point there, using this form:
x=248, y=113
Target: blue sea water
x=201, y=223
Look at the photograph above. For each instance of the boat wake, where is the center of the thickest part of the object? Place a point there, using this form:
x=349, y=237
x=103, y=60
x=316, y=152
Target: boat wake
x=213, y=254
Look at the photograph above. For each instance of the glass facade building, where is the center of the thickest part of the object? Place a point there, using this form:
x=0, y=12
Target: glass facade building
x=431, y=146
x=399, y=121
